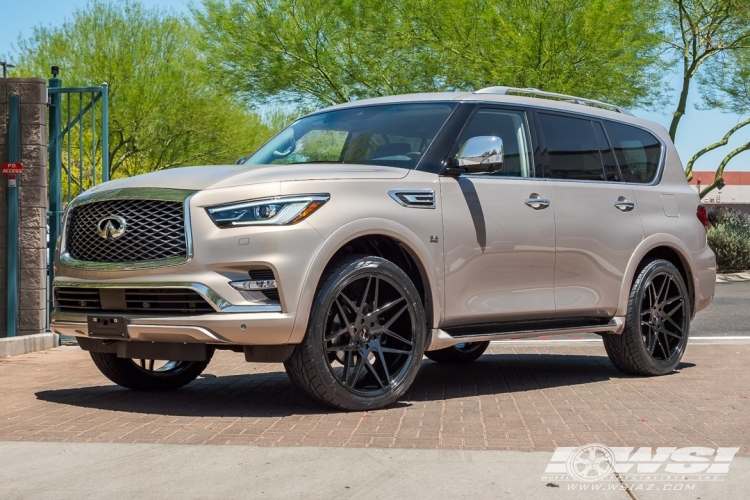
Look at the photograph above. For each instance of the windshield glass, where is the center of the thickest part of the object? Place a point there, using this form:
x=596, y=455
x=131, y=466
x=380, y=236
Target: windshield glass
x=395, y=135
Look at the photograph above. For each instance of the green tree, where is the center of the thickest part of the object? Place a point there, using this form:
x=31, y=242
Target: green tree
x=164, y=112
x=315, y=52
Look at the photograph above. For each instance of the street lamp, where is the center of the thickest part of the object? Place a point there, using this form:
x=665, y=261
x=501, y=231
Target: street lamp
x=5, y=66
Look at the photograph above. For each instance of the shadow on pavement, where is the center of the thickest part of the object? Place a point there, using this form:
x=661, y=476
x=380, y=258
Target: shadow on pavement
x=273, y=394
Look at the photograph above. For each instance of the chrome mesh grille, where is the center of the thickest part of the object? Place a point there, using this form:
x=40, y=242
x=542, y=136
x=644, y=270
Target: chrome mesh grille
x=155, y=230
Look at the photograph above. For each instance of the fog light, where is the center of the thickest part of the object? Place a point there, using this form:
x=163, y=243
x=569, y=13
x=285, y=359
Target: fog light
x=258, y=285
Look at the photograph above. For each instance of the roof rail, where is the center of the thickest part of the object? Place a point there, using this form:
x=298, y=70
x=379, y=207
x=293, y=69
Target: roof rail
x=552, y=95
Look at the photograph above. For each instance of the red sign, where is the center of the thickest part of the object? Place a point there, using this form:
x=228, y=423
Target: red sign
x=13, y=168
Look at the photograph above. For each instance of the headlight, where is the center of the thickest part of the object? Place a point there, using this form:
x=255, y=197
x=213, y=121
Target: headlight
x=279, y=211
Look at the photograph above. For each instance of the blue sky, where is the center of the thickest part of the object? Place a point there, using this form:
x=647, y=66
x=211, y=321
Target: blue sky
x=697, y=129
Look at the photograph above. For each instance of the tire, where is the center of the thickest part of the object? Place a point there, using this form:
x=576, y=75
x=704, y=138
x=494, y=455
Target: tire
x=657, y=325
x=459, y=353
x=374, y=364
x=147, y=375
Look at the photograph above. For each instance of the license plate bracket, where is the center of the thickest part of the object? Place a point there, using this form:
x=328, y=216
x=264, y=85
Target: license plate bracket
x=108, y=326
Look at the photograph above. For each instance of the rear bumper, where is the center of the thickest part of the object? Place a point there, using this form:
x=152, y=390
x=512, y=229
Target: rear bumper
x=221, y=328
x=704, y=277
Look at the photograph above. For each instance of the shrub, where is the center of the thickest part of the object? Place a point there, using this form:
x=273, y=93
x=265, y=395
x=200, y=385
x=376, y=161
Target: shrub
x=729, y=238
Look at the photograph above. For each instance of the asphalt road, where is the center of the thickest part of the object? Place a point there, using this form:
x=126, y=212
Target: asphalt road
x=728, y=315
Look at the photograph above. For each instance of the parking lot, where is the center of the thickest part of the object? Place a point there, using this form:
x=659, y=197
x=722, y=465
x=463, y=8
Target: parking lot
x=530, y=396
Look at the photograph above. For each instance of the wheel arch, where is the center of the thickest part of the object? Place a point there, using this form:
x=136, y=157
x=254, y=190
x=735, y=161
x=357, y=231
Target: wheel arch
x=383, y=238
x=660, y=246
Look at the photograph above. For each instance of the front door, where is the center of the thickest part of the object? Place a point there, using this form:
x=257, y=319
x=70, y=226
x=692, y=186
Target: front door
x=499, y=232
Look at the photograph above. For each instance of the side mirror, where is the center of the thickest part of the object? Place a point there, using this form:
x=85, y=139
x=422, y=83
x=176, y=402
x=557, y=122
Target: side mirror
x=481, y=155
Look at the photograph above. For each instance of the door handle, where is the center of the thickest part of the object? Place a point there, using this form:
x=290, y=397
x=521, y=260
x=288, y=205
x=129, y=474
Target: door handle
x=624, y=204
x=536, y=202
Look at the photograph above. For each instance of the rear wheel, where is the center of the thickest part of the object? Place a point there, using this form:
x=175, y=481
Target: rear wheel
x=460, y=353
x=148, y=374
x=365, y=339
x=657, y=325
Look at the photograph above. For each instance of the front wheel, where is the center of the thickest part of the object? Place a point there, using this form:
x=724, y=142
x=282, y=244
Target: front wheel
x=148, y=374
x=365, y=339
x=465, y=352
x=657, y=324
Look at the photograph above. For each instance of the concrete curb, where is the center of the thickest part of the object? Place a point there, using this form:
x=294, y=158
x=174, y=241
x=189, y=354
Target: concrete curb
x=733, y=277
x=13, y=346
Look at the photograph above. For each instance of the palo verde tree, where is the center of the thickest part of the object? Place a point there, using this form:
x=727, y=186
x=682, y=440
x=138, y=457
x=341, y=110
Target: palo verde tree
x=318, y=52
x=163, y=110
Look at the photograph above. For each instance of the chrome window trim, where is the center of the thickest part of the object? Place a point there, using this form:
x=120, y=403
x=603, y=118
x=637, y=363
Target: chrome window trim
x=217, y=301
x=161, y=194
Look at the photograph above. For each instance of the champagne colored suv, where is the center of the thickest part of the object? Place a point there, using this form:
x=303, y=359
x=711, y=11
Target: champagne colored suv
x=370, y=234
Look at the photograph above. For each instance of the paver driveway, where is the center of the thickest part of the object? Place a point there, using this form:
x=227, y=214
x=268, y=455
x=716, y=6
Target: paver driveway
x=516, y=397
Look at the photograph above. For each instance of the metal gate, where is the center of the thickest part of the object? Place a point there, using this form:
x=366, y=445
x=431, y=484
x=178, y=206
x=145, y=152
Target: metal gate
x=78, y=151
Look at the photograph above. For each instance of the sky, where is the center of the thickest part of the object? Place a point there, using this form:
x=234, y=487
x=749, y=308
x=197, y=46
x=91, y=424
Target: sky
x=697, y=128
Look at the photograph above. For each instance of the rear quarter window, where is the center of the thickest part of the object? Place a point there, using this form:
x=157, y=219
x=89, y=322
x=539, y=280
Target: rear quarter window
x=638, y=152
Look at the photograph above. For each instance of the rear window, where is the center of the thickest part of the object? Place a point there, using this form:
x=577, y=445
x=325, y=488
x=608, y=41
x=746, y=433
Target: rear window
x=638, y=152
x=572, y=148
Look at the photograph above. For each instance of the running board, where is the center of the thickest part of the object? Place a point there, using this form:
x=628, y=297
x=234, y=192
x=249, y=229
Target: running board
x=441, y=339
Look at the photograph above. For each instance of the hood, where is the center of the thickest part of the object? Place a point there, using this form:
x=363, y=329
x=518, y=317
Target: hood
x=224, y=176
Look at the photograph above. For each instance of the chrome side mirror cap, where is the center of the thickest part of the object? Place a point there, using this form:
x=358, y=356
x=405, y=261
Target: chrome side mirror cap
x=481, y=154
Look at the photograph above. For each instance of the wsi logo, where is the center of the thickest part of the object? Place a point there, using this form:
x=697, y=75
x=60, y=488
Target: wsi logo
x=596, y=462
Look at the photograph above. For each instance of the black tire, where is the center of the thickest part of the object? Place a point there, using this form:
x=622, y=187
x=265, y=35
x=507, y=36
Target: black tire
x=459, y=353
x=346, y=368
x=140, y=375
x=657, y=325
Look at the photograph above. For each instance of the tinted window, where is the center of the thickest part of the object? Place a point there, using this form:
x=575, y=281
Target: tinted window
x=510, y=126
x=610, y=167
x=638, y=152
x=571, y=148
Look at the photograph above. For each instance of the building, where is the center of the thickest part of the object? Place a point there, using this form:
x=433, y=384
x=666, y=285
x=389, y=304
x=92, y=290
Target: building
x=735, y=193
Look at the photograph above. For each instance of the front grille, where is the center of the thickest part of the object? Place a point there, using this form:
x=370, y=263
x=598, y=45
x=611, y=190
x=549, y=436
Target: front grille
x=154, y=230
x=142, y=300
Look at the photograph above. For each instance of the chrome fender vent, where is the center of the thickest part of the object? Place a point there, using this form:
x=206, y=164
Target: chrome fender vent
x=414, y=199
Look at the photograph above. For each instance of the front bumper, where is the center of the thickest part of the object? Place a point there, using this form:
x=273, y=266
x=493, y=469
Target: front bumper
x=254, y=328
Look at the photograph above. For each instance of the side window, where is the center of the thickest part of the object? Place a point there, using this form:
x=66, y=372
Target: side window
x=610, y=167
x=510, y=126
x=638, y=152
x=572, y=148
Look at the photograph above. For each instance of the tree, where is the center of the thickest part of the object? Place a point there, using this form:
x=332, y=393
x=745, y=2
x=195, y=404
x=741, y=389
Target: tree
x=699, y=32
x=727, y=87
x=314, y=52
x=164, y=112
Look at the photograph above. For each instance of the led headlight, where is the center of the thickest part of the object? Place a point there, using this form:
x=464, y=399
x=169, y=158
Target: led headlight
x=279, y=211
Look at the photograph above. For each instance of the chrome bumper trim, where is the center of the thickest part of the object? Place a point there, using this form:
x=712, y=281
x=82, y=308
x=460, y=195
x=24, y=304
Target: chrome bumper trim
x=217, y=301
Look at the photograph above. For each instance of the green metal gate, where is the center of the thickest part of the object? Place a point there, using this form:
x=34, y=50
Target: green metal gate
x=78, y=150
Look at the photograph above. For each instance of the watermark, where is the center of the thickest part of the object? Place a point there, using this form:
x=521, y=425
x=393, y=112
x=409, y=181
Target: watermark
x=599, y=467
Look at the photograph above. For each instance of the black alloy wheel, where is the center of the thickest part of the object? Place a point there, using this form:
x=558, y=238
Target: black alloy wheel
x=148, y=374
x=365, y=339
x=657, y=325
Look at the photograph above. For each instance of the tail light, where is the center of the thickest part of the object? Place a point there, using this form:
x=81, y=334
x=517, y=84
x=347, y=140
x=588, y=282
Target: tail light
x=702, y=214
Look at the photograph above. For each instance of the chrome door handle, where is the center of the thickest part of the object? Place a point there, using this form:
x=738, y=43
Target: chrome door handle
x=536, y=202
x=624, y=205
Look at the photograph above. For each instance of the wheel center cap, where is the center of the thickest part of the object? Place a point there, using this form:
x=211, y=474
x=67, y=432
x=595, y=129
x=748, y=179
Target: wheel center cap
x=364, y=335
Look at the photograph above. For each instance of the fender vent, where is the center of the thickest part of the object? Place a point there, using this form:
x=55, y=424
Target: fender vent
x=414, y=199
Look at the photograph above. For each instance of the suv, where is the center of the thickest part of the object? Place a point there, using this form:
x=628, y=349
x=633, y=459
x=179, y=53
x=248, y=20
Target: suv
x=369, y=234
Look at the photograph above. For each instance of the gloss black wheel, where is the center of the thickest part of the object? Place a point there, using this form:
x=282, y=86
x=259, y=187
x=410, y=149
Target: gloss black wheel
x=365, y=339
x=657, y=325
x=466, y=352
x=148, y=374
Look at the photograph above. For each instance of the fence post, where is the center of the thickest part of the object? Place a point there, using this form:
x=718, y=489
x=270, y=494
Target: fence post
x=54, y=215
x=105, y=132
x=14, y=156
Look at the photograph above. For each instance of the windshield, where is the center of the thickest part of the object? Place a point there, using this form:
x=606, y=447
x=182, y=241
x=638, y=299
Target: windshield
x=395, y=135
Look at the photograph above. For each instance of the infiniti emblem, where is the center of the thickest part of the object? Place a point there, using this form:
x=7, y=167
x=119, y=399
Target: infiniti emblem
x=111, y=227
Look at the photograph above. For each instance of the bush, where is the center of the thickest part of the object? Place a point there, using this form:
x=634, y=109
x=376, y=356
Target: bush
x=729, y=238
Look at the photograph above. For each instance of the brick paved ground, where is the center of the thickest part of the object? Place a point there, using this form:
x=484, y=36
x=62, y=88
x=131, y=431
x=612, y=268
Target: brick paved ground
x=516, y=397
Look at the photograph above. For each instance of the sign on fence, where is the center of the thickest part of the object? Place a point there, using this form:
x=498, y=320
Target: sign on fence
x=12, y=168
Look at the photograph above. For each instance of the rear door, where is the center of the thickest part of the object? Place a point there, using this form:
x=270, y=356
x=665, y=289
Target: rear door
x=498, y=242
x=597, y=225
